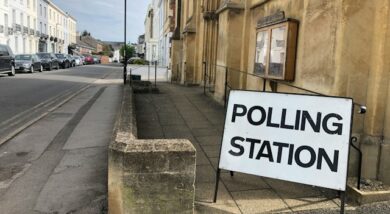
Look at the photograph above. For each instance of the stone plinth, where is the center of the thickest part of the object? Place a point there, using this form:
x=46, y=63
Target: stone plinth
x=148, y=176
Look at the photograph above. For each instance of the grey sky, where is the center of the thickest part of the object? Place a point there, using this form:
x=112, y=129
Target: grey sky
x=104, y=18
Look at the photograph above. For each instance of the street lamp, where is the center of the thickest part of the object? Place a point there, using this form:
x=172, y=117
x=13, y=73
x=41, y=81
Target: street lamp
x=124, y=49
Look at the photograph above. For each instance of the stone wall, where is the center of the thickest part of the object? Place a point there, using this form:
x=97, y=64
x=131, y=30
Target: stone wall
x=148, y=176
x=342, y=50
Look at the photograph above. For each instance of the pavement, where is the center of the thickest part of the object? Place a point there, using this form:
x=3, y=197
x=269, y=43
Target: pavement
x=58, y=163
x=184, y=112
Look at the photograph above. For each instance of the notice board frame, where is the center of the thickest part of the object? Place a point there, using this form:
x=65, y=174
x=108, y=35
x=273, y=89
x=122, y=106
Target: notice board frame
x=342, y=194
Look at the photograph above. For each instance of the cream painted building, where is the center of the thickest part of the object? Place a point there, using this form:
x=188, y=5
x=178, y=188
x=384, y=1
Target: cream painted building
x=4, y=21
x=71, y=30
x=56, y=32
x=151, y=32
x=30, y=26
x=18, y=25
x=342, y=49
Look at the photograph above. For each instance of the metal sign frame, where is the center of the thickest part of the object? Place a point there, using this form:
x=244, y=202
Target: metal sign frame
x=342, y=194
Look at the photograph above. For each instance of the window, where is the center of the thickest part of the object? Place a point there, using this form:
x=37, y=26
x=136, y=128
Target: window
x=6, y=22
x=24, y=45
x=16, y=44
x=28, y=3
x=40, y=27
x=5, y=2
x=45, y=12
x=262, y=41
x=21, y=19
x=44, y=29
x=13, y=17
x=34, y=4
x=34, y=24
x=40, y=9
x=275, y=51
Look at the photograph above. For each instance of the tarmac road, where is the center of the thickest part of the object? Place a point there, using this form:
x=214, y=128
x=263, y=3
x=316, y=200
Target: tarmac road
x=55, y=128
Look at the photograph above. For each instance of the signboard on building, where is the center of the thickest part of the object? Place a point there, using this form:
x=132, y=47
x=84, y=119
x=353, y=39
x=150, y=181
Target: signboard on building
x=298, y=138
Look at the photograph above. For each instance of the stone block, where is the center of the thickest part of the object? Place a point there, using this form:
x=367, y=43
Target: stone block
x=152, y=176
x=370, y=147
x=384, y=167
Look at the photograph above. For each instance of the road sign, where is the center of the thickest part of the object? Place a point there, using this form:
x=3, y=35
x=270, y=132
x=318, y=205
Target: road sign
x=298, y=138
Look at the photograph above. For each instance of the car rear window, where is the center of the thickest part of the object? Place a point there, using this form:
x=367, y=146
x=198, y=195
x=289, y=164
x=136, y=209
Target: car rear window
x=23, y=57
x=44, y=55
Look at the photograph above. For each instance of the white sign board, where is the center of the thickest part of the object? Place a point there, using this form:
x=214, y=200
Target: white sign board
x=299, y=138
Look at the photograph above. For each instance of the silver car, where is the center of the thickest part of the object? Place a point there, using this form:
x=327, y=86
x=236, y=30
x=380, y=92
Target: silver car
x=28, y=62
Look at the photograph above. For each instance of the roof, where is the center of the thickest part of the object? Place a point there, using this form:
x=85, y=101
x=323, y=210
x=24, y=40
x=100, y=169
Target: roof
x=83, y=44
x=89, y=40
x=114, y=45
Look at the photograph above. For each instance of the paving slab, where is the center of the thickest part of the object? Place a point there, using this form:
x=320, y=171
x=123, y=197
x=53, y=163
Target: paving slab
x=184, y=112
x=313, y=203
x=204, y=200
x=243, y=182
x=260, y=201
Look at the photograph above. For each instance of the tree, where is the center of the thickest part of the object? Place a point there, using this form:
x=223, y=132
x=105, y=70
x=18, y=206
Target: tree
x=130, y=51
x=86, y=33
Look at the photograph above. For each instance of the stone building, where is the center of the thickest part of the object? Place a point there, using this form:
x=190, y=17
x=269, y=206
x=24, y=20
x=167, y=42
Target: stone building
x=341, y=49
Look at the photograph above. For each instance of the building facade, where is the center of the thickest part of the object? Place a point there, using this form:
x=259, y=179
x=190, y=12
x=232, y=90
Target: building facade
x=152, y=32
x=30, y=26
x=159, y=27
x=43, y=23
x=141, y=46
x=341, y=49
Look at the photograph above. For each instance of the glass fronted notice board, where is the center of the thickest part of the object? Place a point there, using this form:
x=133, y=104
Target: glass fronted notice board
x=276, y=50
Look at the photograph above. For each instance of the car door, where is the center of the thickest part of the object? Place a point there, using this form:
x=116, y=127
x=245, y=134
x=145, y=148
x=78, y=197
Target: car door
x=37, y=62
x=3, y=58
x=54, y=60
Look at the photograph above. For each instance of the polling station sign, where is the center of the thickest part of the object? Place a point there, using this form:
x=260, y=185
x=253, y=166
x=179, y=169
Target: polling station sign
x=298, y=138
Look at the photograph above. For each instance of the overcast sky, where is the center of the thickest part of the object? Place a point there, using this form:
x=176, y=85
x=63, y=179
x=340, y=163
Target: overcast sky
x=105, y=18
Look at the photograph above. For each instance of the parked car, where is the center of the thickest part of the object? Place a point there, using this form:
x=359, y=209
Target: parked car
x=82, y=60
x=49, y=61
x=89, y=59
x=78, y=61
x=72, y=62
x=7, y=61
x=96, y=59
x=28, y=62
x=63, y=60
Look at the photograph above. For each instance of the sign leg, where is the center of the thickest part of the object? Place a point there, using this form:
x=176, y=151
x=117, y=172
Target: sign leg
x=231, y=173
x=342, y=198
x=216, y=185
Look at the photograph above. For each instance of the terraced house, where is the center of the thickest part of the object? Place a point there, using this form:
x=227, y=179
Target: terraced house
x=30, y=26
x=337, y=48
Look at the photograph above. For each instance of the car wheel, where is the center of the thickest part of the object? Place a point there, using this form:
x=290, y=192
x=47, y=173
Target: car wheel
x=41, y=69
x=50, y=67
x=12, y=73
x=32, y=69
